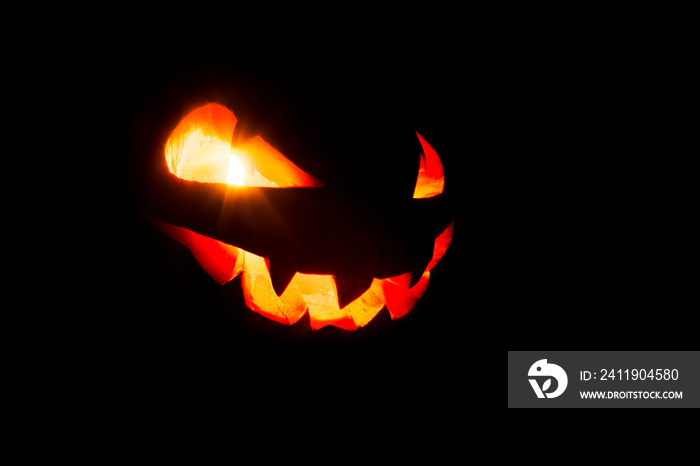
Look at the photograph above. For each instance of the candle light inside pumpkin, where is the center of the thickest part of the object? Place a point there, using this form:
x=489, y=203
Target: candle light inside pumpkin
x=235, y=169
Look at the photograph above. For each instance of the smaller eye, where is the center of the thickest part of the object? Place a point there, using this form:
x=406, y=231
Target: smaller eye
x=539, y=368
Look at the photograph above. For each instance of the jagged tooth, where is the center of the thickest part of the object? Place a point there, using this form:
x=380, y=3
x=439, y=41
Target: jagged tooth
x=421, y=261
x=351, y=287
x=415, y=277
x=281, y=273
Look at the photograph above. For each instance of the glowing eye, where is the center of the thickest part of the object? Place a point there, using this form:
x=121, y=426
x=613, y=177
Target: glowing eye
x=235, y=170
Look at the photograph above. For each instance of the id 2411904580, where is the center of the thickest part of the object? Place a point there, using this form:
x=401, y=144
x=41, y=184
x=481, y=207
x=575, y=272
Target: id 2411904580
x=630, y=374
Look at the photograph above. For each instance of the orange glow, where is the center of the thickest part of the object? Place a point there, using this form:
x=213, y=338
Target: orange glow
x=235, y=170
x=431, y=178
x=199, y=149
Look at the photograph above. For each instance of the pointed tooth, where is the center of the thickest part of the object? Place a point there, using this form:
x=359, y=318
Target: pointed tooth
x=350, y=287
x=421, y=261
x=281, y=273
x=415, y=277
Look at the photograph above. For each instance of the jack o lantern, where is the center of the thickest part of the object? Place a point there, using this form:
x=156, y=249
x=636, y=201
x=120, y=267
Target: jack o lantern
x=243, y=208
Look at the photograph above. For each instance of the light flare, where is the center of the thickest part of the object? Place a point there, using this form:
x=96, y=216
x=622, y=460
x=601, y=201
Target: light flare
x=235, y=170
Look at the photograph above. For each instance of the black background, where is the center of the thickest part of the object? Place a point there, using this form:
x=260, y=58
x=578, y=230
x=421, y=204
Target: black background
x=553, y=151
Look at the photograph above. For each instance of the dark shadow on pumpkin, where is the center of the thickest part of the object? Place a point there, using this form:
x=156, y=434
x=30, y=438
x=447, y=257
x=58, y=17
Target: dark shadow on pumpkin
x=316, y=231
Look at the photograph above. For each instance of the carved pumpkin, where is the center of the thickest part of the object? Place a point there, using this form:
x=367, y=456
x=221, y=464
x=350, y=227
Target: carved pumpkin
x=284, y=271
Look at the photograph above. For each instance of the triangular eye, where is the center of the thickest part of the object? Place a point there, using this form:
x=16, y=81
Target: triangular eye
x=199, y=149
